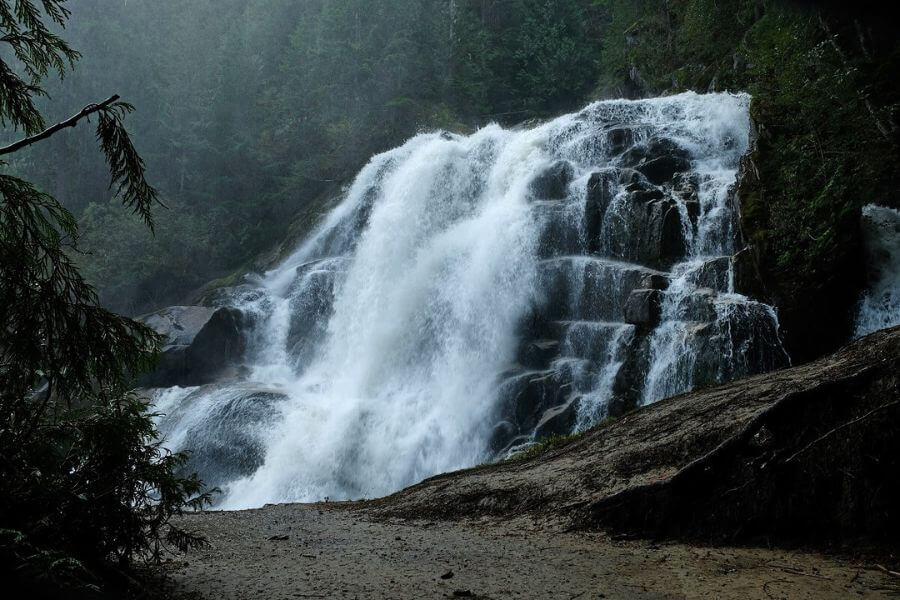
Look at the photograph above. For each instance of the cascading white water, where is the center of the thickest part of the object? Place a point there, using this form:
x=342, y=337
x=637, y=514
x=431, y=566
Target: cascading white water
x=473, y=292
x=880, y=305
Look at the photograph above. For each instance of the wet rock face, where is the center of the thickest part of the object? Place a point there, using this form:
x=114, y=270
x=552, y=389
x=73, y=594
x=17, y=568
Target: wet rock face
x=638, y=292
x=553, y=183
x=312, y=296
x=644, y=308
x=180, y=324
x=227, y=443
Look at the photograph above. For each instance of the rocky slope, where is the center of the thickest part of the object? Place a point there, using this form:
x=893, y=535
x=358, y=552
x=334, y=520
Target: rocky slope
x=806, y=453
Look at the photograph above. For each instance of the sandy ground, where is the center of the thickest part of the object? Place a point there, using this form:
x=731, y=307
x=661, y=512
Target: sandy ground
x=331, y=551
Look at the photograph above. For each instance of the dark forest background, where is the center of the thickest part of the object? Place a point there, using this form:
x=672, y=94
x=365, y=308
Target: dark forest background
x=251, y=115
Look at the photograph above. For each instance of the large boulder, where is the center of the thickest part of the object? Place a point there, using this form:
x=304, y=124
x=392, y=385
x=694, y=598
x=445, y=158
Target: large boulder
x=660, y=160
x=203, y=344
x=644, y=226
x=180, y=324
x=802, y=455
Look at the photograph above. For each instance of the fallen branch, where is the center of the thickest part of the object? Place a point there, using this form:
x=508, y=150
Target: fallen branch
x=70, y=122
x=884, y=569
x=881, y=568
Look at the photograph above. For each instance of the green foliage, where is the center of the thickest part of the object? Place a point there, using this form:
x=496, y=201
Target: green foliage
x=85, y=480
x=37, y=50
x=828, y=143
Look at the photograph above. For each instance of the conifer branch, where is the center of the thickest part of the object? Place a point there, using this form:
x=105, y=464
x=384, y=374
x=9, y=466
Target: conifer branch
x=70, y=122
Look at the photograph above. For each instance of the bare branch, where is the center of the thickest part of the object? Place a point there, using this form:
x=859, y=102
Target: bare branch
x=70, y=122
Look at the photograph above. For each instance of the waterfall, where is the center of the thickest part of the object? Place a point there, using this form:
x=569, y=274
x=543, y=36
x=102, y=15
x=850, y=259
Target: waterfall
x=471, y=294
x=880, y=305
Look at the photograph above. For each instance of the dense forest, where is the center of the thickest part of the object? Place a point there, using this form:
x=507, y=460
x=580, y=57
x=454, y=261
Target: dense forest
x=250, y=117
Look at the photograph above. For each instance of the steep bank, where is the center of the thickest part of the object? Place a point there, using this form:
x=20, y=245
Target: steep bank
x=807, y=453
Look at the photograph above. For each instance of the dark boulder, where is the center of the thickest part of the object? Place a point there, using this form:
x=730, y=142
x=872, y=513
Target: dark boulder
x=225, y=444
x=629, y=176
x=654, y=149
x=672, y=243
x=553, y=184
x=601, y=190
x=204, y=344
x=643, y=308
x=799, y=456
x=221, y=343
x=638, y=193
x=693, y=211
x=501, y=436
x=660, y=170
x=714, y=274
x=537, y=354
x=655, y=281
x=648, y=233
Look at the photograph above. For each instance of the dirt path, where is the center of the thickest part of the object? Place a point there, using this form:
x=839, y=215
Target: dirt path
x=332, y=552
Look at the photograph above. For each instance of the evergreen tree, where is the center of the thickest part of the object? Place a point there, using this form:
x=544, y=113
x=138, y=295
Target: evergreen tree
x=83, y=474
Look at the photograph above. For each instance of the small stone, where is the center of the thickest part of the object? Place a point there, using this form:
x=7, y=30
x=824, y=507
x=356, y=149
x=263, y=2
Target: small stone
x=447, y=575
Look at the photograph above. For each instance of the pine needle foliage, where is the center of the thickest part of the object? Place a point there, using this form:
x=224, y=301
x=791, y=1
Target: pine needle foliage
x=85, y=481
x=125, y=164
